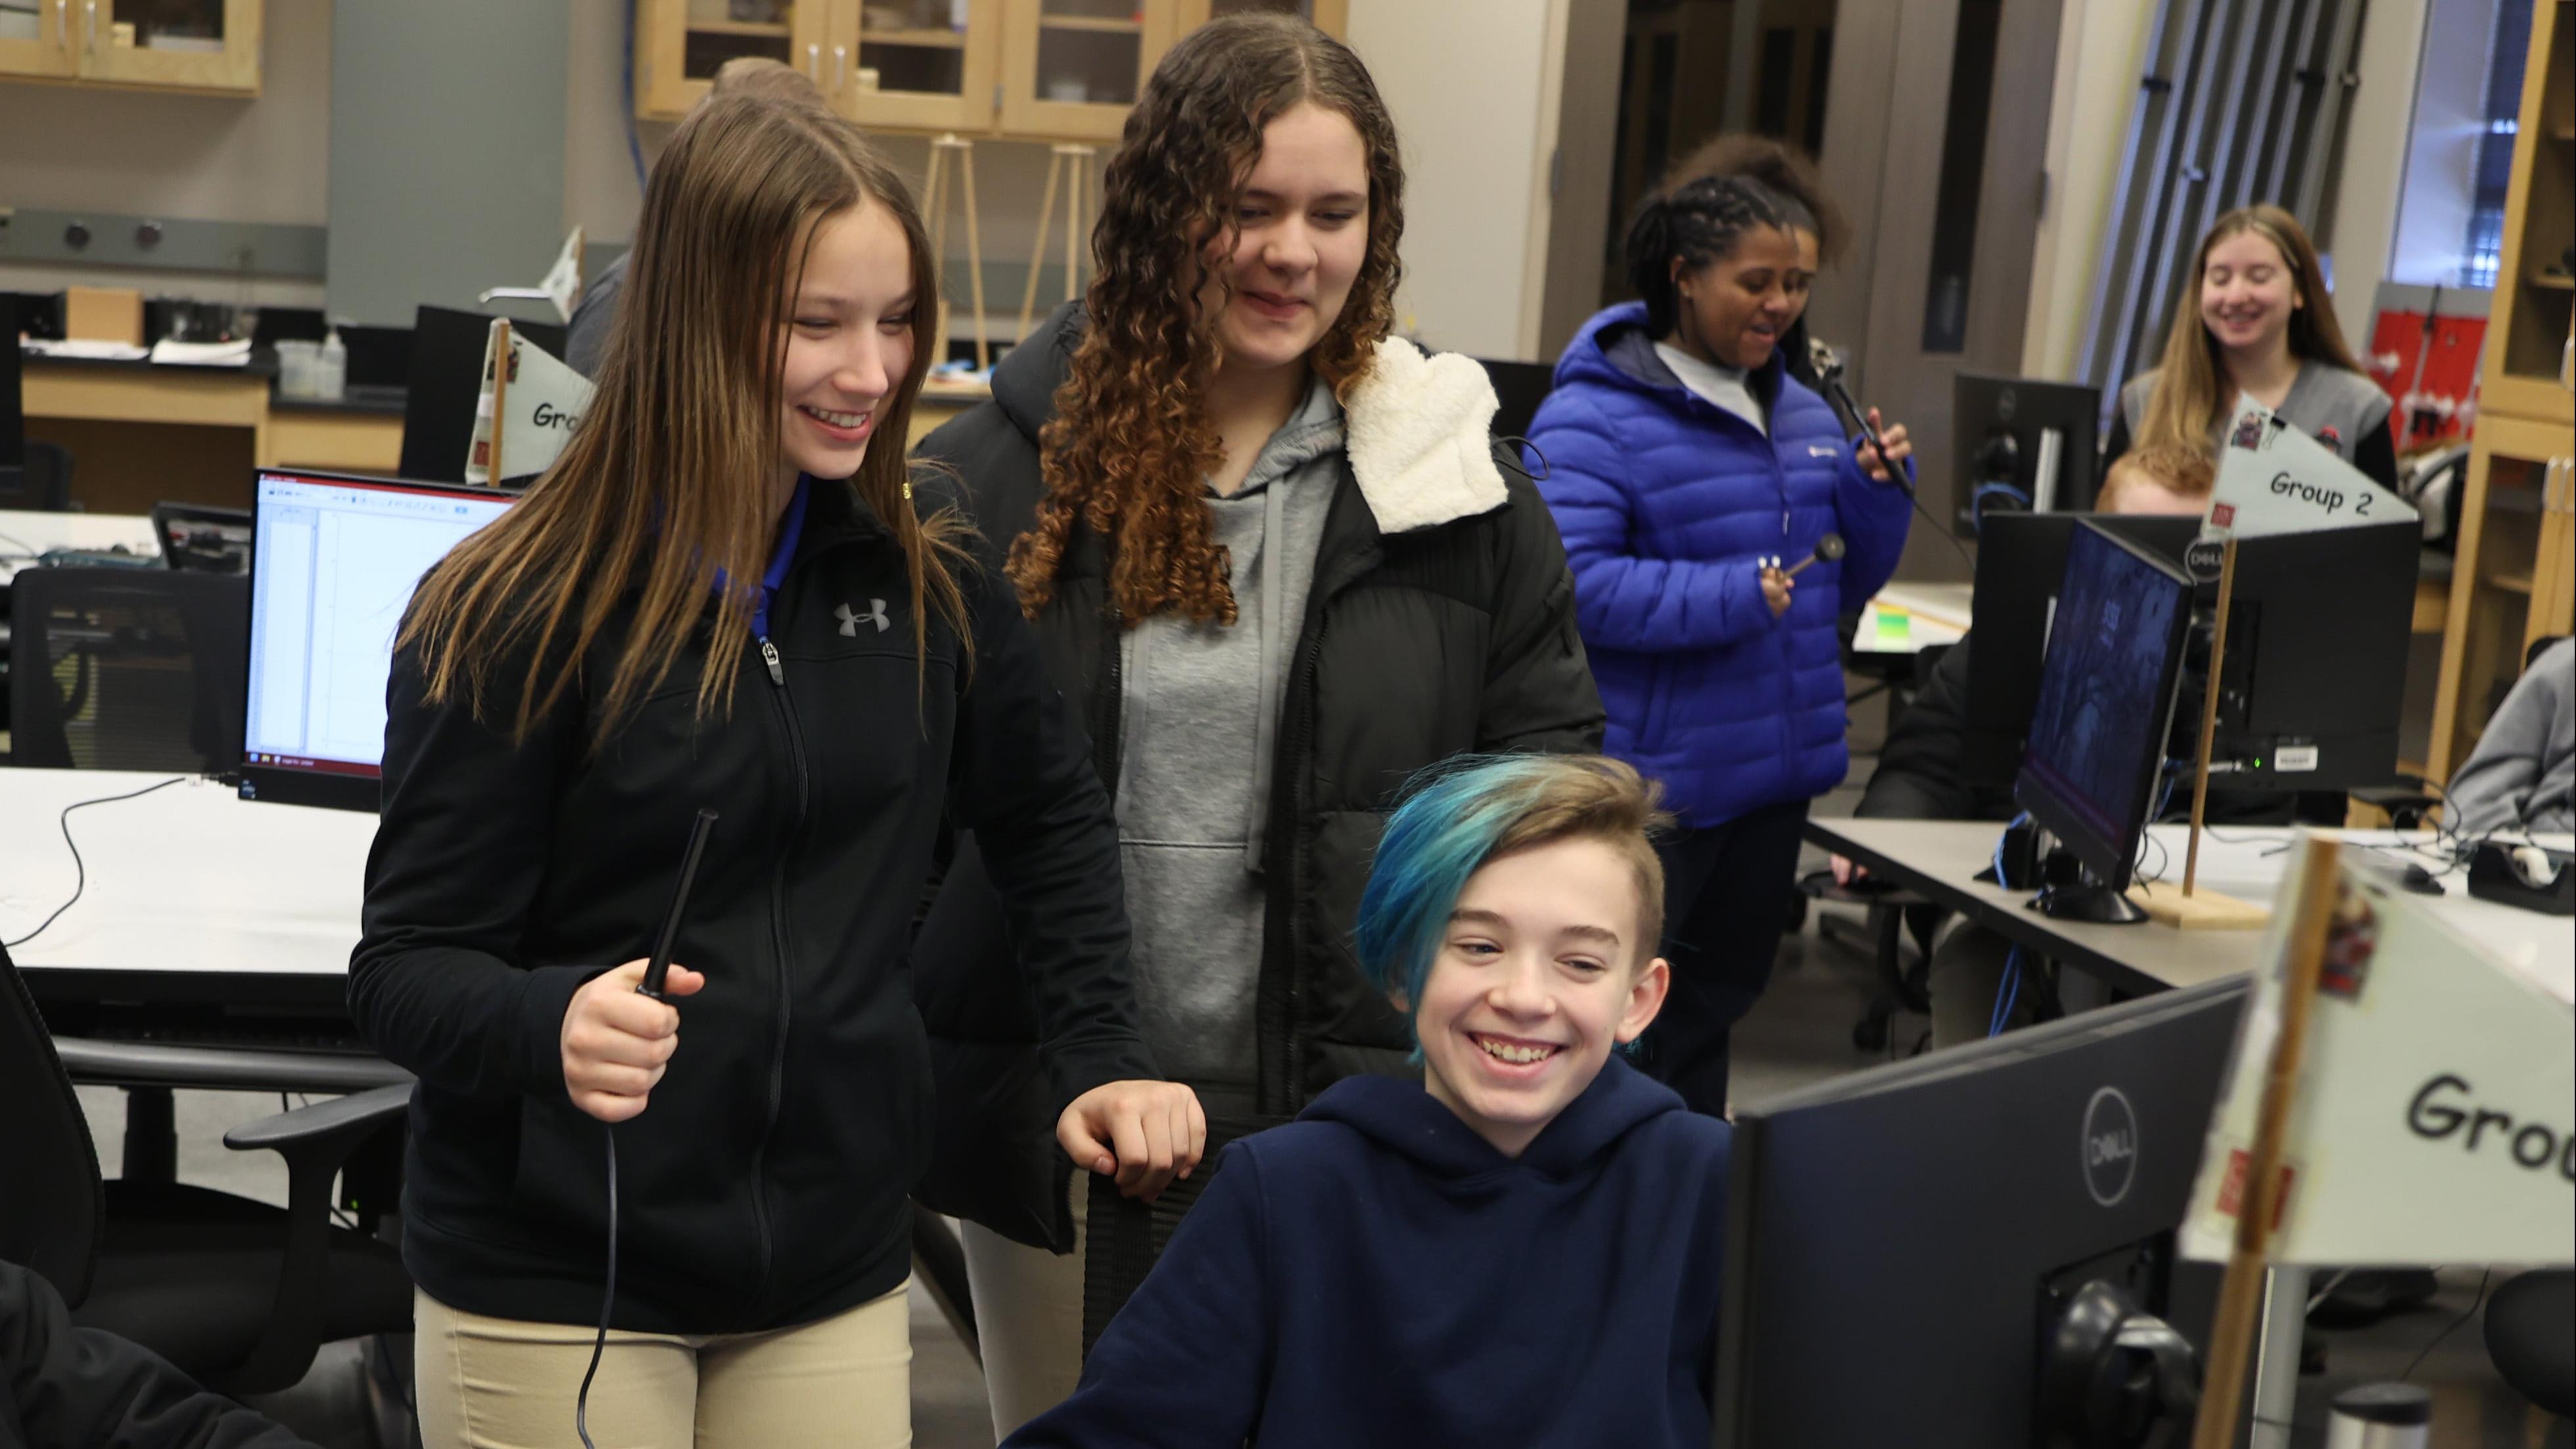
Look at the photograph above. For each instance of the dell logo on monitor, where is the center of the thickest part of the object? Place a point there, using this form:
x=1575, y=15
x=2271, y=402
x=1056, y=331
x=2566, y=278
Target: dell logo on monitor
x=2110, y=1146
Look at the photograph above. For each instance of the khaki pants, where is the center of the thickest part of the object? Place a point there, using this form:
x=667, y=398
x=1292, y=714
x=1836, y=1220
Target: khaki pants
x=1028, y=1317
x=494, y=1383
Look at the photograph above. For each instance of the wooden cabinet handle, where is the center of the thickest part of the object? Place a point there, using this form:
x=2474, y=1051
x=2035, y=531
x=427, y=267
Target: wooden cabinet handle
x=89, y=25
x=840, y=66
x=814, y=62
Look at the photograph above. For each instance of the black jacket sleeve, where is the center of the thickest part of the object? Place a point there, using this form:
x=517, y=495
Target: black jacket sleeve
x=1539, y=694
x=1918, y=772
x=81, y=1388
x=459, y=856
x=1022, y=781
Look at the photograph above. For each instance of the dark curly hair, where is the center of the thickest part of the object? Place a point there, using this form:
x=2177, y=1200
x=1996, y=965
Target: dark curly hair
x=1699, y=222
x=1130, y=444
x=1787, y=171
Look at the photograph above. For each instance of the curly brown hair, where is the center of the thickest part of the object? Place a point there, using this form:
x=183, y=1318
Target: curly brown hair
x=1130, y=445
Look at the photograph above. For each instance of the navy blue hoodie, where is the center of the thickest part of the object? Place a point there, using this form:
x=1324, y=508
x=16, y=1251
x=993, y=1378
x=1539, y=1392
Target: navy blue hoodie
x=1377, y=1274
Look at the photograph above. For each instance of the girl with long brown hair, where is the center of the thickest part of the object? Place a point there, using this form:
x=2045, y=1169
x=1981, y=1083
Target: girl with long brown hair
x=1273, y=559
x=2256, y=321
x=727, y=595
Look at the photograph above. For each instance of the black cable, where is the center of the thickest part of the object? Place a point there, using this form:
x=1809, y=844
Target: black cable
x=80, y=868
x=607, y=1299
x=2452, y=1327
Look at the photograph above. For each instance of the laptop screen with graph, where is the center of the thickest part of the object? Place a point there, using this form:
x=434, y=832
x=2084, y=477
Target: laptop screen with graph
x=333, y=567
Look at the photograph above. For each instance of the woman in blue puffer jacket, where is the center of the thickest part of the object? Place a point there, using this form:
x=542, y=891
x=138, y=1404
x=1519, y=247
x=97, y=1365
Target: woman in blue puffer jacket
x=1687, y=473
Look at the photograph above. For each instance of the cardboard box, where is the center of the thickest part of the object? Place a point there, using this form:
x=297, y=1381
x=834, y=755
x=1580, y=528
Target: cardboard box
x=103, y=314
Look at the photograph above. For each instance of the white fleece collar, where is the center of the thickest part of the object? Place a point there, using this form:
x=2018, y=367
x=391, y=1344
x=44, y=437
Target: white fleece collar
x=1418, y=434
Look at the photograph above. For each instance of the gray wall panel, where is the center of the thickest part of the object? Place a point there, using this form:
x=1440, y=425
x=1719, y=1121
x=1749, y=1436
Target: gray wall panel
x=447, y=151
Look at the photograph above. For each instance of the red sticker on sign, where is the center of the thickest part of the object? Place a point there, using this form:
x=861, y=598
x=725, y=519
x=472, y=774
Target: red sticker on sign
x=2222, y=514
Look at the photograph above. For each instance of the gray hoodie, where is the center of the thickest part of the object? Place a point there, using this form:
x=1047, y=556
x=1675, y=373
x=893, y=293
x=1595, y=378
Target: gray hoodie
x=2522, y=776
x=1201, y=712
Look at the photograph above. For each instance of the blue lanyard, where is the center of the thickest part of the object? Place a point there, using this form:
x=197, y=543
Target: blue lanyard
x=791, y=528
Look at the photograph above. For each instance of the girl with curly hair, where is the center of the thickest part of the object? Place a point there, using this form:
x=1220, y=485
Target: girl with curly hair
x=1273, y=560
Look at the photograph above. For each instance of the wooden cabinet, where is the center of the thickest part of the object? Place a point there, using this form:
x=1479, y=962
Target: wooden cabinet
x=2535, y=296
x=39, y=44
x=2515, y=578
x=209, y=46
x=680, y=44
x=1071, y=68
x=1062, y=70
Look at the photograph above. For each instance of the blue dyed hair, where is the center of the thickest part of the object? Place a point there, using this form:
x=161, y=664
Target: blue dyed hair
x=1458, y=815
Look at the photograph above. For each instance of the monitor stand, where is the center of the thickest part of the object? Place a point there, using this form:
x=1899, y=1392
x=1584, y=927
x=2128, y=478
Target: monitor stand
x=2080, y=895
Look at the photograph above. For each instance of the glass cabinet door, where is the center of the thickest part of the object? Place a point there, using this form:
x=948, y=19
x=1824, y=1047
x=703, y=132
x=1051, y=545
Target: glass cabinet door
x=184, y=44
x=681, y=44
x=36, y=38
x=1072, y=68
x=918, y=63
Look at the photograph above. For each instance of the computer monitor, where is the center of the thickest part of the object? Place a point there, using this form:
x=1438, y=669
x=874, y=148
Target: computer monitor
x=202, y=538
x=2031, y=441
x=2106, y=697
x=333, y=567
x=2021, y=559
x=1519, y=387
x=1935, y=1253
x=13, y=407
x=2317, y=638
x=446, y=382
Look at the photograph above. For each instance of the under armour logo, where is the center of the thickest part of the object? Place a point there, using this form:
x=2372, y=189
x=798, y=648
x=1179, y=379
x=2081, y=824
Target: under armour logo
x=849, y=618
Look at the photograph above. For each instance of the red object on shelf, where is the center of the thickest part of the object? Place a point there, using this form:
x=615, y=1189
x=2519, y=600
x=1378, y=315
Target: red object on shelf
x=2431, y=389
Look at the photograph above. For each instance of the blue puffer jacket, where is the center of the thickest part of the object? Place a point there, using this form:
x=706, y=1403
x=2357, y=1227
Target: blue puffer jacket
x=1666, y=503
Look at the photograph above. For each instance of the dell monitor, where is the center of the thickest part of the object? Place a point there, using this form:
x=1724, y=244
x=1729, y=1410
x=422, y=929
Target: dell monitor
x=333, y=566
x=2024, y=445
x=2317, y=637
x=1975, y=1249
x=2106, y=697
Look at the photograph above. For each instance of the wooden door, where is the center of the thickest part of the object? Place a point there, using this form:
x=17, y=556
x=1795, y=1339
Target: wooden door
x=681, y=44
x=190, y=45
x=1072, y=68
x=921, y=65
x=39, y=44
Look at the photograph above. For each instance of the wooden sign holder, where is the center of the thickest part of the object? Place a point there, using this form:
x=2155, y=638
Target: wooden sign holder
x=935, y=189
x=492, y=474
x=2231, y=1341
x=1072, y=162
x=2186, y=908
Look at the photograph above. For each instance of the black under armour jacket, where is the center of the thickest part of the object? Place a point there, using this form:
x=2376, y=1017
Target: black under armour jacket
x=766, y=1182
x=1441, y=620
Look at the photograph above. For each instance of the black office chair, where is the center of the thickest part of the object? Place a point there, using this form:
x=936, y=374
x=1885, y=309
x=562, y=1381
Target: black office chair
x=42, y=483
x=235, y=1292
x=128, y=669
x=1125, y=1236
x=2531, y=1338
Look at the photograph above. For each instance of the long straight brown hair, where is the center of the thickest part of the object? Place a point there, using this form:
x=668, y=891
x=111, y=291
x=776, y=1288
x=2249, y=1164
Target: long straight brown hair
x=667, y=478
x=1130, y=448
x=2190, y=400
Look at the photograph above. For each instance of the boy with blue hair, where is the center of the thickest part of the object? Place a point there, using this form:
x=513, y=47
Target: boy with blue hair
x=1524, y=1247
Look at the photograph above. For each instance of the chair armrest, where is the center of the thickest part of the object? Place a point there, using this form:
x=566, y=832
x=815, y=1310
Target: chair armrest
x=315, y=1141
x=332, y=1127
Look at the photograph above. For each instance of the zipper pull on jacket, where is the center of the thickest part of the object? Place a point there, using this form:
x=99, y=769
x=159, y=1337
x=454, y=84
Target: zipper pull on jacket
x=769, y=656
